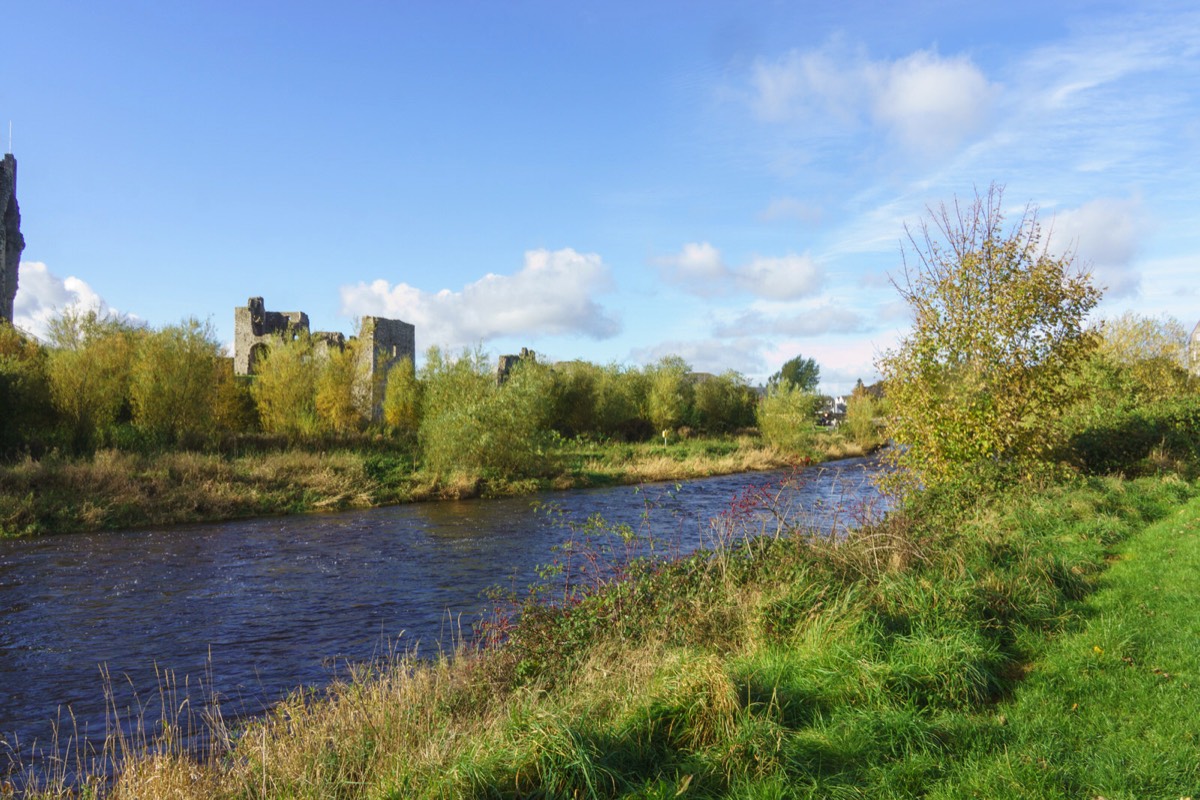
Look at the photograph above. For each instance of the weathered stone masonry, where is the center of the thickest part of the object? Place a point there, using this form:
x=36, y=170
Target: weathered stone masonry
x=11, y=240
x=384, y=343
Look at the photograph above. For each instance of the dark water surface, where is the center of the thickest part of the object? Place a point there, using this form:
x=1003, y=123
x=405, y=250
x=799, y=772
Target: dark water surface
x=250, y=610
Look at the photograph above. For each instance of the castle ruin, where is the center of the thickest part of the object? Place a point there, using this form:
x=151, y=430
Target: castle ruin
x=383, y=342
x=1193, y=352
x=11, y=240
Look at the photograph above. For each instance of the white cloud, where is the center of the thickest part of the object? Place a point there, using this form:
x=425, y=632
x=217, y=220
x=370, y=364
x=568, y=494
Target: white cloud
x=1104, y=234
x=42, y=295
x=699, y=269
x=931, y=103
x=550, y=295
x=786, y=278
x=926, y=102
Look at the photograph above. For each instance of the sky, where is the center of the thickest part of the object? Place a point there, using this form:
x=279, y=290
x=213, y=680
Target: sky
x=612, y=181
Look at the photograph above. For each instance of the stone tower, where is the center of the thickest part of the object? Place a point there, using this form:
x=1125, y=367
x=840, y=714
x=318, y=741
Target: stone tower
x=11, y=240
x=1194, y=351
x=383, y=343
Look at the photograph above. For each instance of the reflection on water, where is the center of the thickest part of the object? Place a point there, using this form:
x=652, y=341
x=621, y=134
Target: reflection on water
x=253, y=609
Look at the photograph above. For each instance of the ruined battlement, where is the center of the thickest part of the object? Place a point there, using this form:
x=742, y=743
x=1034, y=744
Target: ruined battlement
x=12, y=243
x=384, y=342
x=253, y=330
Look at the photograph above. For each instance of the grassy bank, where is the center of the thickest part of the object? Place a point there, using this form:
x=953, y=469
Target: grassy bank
x=930, y=655
x=115, y=489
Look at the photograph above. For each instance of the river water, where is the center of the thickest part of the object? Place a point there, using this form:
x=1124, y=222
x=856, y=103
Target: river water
x=247, y=611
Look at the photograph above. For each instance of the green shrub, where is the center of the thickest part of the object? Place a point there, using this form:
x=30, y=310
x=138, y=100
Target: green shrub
x=864, y=422
x=1137, y=440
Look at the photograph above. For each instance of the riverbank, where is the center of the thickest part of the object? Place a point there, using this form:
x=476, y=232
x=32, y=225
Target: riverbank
x=118, y=490
x=929, y=655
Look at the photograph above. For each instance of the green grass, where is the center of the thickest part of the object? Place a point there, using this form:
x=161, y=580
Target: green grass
x=1113, y=708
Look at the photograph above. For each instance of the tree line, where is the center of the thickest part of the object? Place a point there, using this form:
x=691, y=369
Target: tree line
x=104, y=382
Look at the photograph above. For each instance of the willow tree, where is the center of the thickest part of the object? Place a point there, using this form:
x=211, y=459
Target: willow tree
x=998, y=326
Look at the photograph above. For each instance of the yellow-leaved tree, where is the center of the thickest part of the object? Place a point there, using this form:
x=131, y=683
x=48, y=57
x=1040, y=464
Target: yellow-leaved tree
x=998, y=326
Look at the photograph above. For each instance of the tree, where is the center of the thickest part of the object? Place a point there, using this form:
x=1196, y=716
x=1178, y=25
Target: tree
x=171, y=382
x=402, y=399
x=998, y=326
x=787, y=417
x=724, y=403
x=25, y=410
x=669, y=401
x=285, y=388
x=89, y=372
x=801, y=372
x=471, y=426
x=622, y=396
x=337, y=395
x=1150, y=353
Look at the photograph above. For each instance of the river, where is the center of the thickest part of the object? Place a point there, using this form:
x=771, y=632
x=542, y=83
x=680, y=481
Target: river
x=246, y=611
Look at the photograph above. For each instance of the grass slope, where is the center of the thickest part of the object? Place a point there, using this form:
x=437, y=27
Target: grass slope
x=1113, y=708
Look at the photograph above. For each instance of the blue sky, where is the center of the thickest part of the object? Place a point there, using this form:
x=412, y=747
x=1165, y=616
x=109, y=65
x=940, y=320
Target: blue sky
x=603, y=180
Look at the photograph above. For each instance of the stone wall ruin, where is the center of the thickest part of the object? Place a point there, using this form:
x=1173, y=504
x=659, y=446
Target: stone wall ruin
x=384, y=343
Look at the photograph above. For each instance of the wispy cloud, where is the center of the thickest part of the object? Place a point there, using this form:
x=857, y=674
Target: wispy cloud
x=551, y=295
x=817, y=320
x=791, y=209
